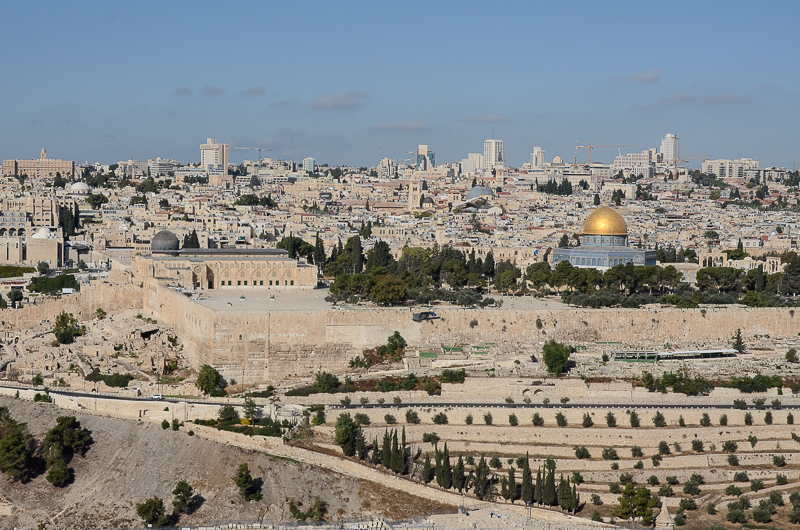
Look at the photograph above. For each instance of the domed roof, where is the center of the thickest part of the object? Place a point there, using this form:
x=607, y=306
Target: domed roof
x=43, y=233
x=164, y=241
x=80, y=186
x=480, y=191
x=605, y=221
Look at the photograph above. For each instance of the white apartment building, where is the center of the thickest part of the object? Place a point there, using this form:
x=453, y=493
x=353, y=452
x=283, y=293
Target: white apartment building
x=493, y=154
x=724, y=168
x=162, y=166
x=473, y=163
x=309, y=164
x=670, y=148
x=387, y=168
x=214, y=156
x=637, y=163
x=537, y=158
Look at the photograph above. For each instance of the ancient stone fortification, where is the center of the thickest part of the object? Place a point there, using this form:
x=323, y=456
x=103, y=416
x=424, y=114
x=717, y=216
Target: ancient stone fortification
x=112, y=298
x=269, y=345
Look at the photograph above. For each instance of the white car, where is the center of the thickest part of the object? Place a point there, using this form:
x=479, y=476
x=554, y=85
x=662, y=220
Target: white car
x=157, y=397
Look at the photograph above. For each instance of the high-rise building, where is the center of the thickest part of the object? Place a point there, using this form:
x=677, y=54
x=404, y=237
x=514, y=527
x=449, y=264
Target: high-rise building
x=493, y=154
x=214, y=156
x=309, y=164
x=473, y=163
x=537, y=158
x=724, y=168
x=426, y=159
x=387, y=168
x=669, y=148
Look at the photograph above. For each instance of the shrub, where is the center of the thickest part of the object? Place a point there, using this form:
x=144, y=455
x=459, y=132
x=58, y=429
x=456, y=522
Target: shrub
x=781, y=480
x=656, y=459
x=681, y=423
x=636, y=452
x=723, y=420
x=638, y=465
x=741, y=476
x=611, y=420
x=753, y=440
x=430, y=438
x=680, y=518
x=537, y=420
x=614, y=466
x=165, y=425
x=672, y=480
x=396, y=400
x=587, y=420
x=705, y=421
x=468, y=420
x=697, y=445
x=495, y=462
x=779, y=460
x=736, y=516
x=626, y=478
x=561, y=420
x=665, y=490
x=768, y=418
x=318, y=418
x=151, y=512
x=748, y=419
x=609, y=453
x=596, y=500
x=582, y=452
x=733, y=460
x=391, y=420
x=346, y=401
x=691, y=488
x=697, y=478
x=614, y=488
x=595, y=514
x=733, y=489
x=711, y=508
x=176, y=425
x=440, y=419
x=634, y=419
x=790, y=419
x=730, y=446
x=487, y=418
x=739, y=404
x=663, y=448
x=653, y=480
x=658, y=420
x=776, y=498
x=512, y=420
x=412, y=417
x=688, y=504
x=756, y=484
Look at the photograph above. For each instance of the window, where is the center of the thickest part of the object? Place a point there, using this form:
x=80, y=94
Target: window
x=245, y=282
x=292, y=282
x=270, y=282
x=261, y=282
x=238, y=282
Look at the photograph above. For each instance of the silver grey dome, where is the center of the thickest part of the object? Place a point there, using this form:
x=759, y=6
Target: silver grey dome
x=479, y=191
x=165, y=241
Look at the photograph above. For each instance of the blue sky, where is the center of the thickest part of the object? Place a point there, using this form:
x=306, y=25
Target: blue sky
x=341, y=80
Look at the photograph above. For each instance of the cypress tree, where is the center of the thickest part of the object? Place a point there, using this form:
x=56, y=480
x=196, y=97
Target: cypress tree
x=512, y=485
x=549, y=494
x=319, y=251
x=398, y=460
x=426, y=469
x=438, y=468
x=375, y=457
x=361, y=445
x=527, y=482
x=566, y=495
x=447, y=471
x=481, y=485
x=458, y=474
x=538, y=492
x=386, y=450
x=406, y=450
x=576, y=498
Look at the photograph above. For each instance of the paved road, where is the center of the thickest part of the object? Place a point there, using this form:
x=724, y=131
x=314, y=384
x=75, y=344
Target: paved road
x=553, y=405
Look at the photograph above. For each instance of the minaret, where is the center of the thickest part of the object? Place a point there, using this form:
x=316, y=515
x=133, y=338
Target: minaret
x=44, y=154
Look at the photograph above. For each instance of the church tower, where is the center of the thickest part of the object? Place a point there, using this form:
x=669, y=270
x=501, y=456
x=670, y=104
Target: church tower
x=414, y=193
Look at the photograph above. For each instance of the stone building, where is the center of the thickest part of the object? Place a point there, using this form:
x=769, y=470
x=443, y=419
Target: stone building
x=604, y=244
x=224, y=268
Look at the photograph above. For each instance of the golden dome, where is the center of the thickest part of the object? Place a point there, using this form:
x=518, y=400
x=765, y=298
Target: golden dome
x=605, y=221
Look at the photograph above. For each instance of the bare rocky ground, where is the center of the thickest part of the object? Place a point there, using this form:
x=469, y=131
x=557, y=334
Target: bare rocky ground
x=130, y=462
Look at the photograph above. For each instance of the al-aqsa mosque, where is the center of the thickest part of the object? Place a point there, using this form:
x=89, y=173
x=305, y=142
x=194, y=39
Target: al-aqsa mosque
x=604, y=244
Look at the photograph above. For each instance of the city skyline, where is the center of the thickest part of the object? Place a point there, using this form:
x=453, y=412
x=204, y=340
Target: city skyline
x=371, y=81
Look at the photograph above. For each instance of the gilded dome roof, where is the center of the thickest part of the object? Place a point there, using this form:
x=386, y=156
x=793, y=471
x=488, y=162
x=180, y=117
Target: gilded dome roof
x=605, y=221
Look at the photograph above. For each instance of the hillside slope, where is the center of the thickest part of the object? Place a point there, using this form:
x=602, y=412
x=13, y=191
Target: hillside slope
x=130, y=462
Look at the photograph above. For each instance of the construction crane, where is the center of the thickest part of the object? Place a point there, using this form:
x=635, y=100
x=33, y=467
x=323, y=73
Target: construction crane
x=413, y=160
x=259, y=149
x=676, y=161
x=590, y=147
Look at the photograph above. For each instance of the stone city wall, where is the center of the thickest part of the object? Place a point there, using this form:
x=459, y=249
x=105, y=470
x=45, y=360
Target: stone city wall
x=271, y=345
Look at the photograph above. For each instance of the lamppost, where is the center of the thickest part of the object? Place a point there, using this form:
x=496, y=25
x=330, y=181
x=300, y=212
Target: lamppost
x=528, y=503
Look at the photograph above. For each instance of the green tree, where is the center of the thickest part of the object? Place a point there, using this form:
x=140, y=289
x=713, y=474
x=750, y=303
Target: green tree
x=526, y=490
x=59, y=474
x=183, y=493
x=459, y=479
x=737, y=343
x=247, y=486
x=208, y=379
x=151, y=512
x=191, y=240
x=250, y=408
x=346, y=433
x=426, y=468
x=596, y=199
x=15, y=297
x=43, y=267
x=66, y=328
x=556, y=356
x=549, y=493
x=15, y=448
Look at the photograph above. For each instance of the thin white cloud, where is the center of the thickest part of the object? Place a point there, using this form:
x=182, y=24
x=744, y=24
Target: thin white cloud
x=211, y=90
x=182, y=90
x=408, y=126
x=653, y=76
x=340, y=101
x=486, y=118
x=254, y=91
x=689, y=98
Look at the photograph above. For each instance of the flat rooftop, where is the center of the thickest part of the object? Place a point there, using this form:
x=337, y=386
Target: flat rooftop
x=314, y=300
